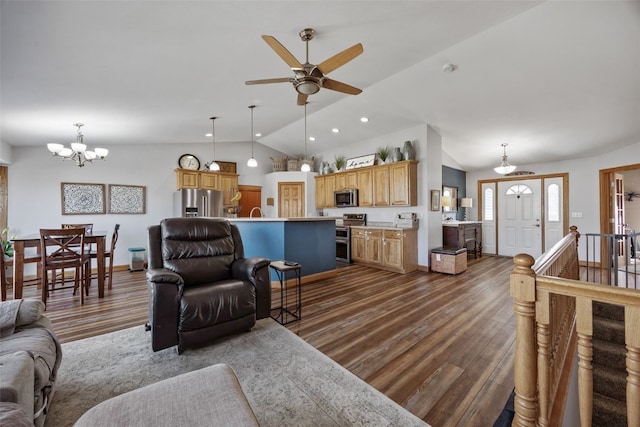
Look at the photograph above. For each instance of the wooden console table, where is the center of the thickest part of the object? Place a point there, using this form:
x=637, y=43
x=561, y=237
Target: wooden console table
x=463, y=234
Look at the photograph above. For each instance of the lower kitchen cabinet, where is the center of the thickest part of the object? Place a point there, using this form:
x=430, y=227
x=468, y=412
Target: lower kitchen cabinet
x=390, y=249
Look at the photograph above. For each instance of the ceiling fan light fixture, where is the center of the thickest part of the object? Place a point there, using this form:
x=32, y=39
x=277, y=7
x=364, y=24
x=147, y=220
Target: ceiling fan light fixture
x=307, y=86
x=505, y=167
x=305, y=163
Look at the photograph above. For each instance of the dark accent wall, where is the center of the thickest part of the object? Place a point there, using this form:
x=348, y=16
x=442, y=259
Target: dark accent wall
x=456, y=178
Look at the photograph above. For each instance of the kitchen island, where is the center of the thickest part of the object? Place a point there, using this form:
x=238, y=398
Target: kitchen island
x=309, y=241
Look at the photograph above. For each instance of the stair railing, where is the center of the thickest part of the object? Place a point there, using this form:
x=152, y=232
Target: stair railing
x=551, y=307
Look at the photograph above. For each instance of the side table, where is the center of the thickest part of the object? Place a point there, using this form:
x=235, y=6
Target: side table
x=284, y=314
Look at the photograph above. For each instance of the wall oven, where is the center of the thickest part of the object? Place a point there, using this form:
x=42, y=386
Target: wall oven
x=343, y=235
x=343, y=244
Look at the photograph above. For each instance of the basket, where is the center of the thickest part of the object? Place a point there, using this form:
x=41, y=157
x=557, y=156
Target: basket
x=279, y=164
x=292, y=165
x=449, y=260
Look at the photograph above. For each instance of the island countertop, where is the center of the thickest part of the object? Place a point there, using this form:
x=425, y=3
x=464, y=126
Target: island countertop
x=301, y=219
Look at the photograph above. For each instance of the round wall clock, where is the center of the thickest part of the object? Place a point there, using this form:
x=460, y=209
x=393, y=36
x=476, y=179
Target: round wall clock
x=189, y=161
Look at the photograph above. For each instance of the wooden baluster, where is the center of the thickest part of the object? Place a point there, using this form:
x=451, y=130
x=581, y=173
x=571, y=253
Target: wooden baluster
x=632, y=338
x=523, y=291
x=543, y=320
x=584, y=326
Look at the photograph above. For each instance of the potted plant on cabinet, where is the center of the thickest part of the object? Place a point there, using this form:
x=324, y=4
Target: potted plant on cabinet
x=340, y=163
x=382, y=153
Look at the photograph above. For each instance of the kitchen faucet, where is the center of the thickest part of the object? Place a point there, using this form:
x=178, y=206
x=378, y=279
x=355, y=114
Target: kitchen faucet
x=259, y=210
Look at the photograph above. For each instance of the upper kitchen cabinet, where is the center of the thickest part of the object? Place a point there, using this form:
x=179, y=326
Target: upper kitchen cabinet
x=394, y=184
x=403, y=184
x=223, y=181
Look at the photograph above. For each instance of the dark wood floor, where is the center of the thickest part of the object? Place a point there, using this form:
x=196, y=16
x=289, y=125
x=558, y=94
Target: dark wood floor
x=441, y=346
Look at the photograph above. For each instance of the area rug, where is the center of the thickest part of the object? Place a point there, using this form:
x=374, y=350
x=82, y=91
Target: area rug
x=286, y=380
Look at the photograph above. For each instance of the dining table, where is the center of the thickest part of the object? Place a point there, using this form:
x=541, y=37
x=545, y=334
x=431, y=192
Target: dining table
x=20, y=243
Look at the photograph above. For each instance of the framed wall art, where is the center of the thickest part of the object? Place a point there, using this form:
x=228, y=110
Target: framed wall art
x=82, y=199
x=435, y=200
x=360, y=162
x=126, y=199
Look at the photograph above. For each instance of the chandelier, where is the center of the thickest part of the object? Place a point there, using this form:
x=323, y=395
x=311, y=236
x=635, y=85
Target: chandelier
x=504, y=167
x=78, y=151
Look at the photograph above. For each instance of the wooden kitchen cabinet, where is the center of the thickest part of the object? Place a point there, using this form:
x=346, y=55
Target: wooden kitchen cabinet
x=346, y=180
x=228, y=183
x=187, y=178
x=365, y=187
x=320, y=193
x=403, y=184
x=463, y=234
x=358, y=237
x=381, y=186
x=225, y=182
x=394, y=184
x=329, y=188
x=391, y=249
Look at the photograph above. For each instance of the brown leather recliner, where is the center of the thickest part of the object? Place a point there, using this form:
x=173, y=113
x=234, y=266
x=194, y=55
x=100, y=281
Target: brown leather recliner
x=201, y=285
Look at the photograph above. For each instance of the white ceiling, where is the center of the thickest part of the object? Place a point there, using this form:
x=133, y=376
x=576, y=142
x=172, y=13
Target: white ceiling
x=555, y=79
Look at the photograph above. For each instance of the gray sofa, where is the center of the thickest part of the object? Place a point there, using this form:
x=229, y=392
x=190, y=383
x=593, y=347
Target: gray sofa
x=30, y=355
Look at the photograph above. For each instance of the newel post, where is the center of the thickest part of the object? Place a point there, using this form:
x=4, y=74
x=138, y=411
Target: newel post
x=523, y=292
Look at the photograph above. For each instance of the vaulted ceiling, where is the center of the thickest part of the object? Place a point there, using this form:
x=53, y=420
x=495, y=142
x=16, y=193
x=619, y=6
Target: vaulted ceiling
x=554, y=80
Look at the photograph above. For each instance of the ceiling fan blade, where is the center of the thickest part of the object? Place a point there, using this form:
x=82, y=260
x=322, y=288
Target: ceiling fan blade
x=340, y=87
x=263, y=81
x=282, y=52
x=339, y=59
x=302, y=99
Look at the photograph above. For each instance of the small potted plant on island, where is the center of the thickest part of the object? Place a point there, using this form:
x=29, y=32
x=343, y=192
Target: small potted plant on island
x=382, y=153
x=340, y=163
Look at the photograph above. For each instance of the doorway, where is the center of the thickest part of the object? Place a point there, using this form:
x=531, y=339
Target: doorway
x=617, y=216
x=291, y=201
x=523, y=214
x=251, y=198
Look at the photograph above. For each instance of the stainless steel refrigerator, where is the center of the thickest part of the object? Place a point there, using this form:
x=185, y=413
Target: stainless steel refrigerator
x=198, y=203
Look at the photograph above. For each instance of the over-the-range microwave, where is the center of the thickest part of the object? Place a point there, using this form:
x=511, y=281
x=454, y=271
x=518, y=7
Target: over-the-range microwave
x=346, y=198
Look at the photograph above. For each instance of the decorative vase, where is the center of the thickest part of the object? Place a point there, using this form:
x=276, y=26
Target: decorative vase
x=409, y=153
x=327, y=168
x=396, y=155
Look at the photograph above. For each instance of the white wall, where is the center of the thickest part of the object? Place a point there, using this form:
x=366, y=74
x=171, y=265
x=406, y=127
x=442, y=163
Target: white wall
x=584, y=183
x=6, y=153
x=35, y=177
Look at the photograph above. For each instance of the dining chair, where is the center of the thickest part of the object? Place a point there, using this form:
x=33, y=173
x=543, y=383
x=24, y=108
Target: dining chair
x=108, y=255
x=65, y=248
x=88, y=230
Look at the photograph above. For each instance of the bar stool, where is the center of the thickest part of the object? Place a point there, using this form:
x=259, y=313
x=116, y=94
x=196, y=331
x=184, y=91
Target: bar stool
x=281, y=269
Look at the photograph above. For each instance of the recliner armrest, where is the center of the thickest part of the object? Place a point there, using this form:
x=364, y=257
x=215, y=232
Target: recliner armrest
x=163, y=275
x=256, y=271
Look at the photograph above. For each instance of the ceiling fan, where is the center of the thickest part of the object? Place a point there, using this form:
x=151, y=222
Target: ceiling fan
x=309, y=78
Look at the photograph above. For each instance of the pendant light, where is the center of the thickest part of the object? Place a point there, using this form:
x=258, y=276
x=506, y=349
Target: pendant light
x=214, y=167
x=504, y=167
x=305, y=166
x=252, y=162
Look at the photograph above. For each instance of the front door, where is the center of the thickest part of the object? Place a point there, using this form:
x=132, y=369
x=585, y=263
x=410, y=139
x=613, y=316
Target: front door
x=520, y=217
x=291, y=199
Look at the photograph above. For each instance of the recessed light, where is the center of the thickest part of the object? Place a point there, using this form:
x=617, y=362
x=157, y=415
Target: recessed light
x=258, y=134
x=335, y=130
x=208, y=134
x=312, y=138
x=364, y=119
